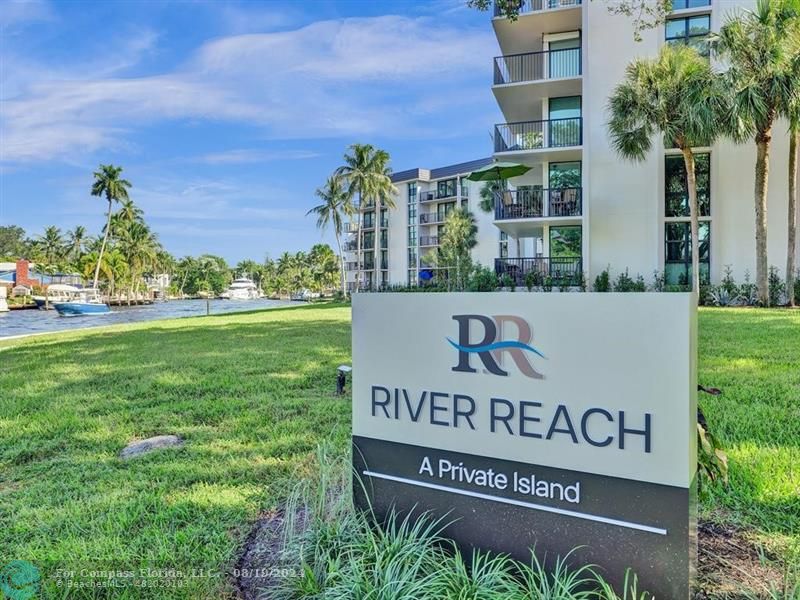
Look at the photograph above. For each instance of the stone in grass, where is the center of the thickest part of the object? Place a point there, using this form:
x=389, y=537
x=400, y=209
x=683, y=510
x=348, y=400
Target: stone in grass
x=154, y=443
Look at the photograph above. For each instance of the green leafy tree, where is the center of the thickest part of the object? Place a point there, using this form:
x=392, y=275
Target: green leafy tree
x=678, y=96
x=12, y=241
x=366, y=177
x=454, y=252
x=108, y=184
x=76, y=243
x=759, y=46
x=51, y=246
x=333, y=209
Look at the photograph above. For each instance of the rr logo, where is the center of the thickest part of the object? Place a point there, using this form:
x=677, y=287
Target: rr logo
x=492, y=348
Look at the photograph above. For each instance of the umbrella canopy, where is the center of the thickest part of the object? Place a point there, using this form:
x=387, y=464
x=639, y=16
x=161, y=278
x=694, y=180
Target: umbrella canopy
x=498, y=170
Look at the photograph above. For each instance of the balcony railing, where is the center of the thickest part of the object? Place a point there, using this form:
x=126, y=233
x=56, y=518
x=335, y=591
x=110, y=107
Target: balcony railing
x=534, y=203
x=436, y=194
x=351, y=246
x=537, y=66
x=536, y=271
x=428, y=240
x=433, y=217
x=526, y=6
x=535, y=135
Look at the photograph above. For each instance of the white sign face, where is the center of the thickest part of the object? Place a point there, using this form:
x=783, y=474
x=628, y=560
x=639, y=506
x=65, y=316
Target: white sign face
x=576, y=405
x=603, y=383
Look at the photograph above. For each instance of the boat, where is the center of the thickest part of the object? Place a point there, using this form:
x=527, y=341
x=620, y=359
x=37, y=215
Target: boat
x=242, y=288
x=55, y=293
x=84, y=302
x=3, y=302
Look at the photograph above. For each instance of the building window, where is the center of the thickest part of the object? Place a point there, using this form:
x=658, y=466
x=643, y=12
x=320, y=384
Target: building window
x=565, y=121
x=369, y=219
x=446, y=189
x=676, y=192
x=566, y=242
x=412, y=257
x=692, y=31
x=384, y=259
x=682, y=4
x=384, y=218
x=678, y=252
x=412, y=236
x=384, y=238
x=412, y=214
x=412, y=192
x=503, y=244
x=677, y=233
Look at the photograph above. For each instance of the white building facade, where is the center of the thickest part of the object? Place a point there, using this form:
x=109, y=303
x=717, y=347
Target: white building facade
x=581, y=208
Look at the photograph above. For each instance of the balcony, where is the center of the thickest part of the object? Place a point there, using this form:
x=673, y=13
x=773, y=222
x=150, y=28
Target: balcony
x=351, y=246
x=535, y=136
x=437, y=195
x=537, y=66
x=528, y=6
x=537, y=204
x=428, y=240
x=536, y=271
x=433, y=218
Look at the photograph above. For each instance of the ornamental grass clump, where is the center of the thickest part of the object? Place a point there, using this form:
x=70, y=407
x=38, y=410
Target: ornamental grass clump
x=340, y=553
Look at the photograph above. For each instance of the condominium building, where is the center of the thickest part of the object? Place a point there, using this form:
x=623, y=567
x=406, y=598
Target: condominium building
x=581, y=208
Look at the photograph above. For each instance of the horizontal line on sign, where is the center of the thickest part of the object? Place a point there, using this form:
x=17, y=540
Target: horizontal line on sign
x=550, y=509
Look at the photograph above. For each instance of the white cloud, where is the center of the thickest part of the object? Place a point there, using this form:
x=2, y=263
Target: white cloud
x=253, y=156
x=353, y=77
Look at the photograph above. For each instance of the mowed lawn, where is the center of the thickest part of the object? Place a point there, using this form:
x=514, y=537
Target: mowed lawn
x=252, y=396
x=753, y=356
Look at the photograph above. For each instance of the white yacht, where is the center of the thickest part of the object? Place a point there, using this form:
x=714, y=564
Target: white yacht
x=242, y=288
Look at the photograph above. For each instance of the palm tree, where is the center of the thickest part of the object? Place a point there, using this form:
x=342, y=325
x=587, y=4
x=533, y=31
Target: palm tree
x=676, y=95
x=365, y=174
x=139, y=247
x=76, y=241
x=759, y=46
x=459, y=238
x=107, y=183
x=334, y=207
x=51, y=245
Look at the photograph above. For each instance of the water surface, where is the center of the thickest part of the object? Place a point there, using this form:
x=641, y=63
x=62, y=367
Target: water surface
x=22, y=322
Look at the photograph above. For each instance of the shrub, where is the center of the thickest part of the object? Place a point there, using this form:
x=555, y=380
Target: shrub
x=533, y=279
x=602, y=283
x=748, y=291
x=728, y=283
x=777, y=287
x=659, y=281
x=482, y=279
x=547, y=284
x=797, y=288
x=507, y=282
x=624, y=283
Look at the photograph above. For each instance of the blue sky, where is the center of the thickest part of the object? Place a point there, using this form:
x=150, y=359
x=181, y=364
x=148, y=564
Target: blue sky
x=227, y=115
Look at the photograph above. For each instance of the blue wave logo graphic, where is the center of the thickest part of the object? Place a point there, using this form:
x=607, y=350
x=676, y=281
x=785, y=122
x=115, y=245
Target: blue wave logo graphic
x=495, y=346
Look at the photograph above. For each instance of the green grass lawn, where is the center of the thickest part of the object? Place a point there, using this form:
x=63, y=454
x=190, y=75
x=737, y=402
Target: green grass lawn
x=754, y=357
x=252, y=396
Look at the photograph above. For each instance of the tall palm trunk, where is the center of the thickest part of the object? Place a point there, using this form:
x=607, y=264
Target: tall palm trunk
x=691, y=185
x=102, y=246
x=791, y=265
x=341, y=265
x=763, y=140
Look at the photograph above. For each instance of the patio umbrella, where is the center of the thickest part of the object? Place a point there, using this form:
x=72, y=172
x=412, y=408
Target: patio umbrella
x=498, y=170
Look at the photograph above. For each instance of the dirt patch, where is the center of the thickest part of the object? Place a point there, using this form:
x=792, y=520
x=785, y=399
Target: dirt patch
x=729, y=564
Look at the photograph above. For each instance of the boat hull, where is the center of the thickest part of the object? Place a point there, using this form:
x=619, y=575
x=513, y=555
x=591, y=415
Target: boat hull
x=72, y=309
